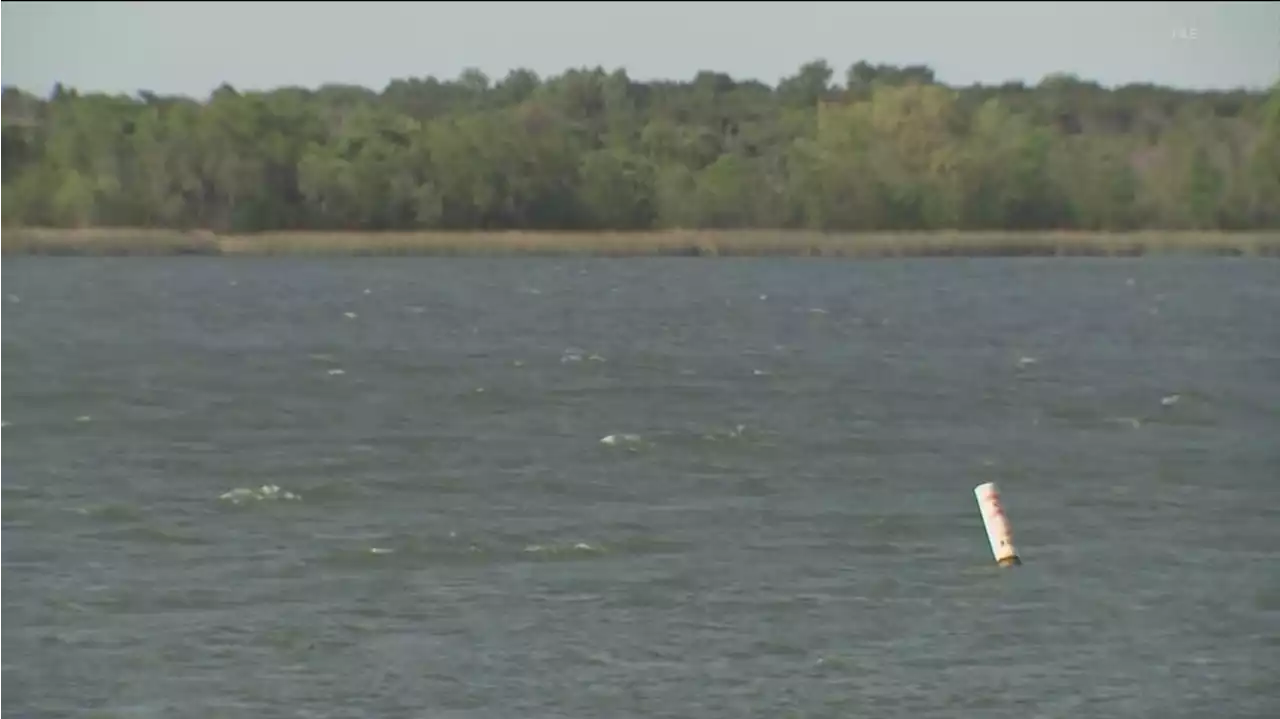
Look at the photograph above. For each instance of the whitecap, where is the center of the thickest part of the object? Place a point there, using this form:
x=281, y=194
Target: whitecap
x=267, y=492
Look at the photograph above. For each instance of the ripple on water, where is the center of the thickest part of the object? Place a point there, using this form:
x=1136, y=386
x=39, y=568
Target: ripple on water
x=152, y=535
x=826, y=559
x=112, y=512
x=405, y=551
x=267, y=493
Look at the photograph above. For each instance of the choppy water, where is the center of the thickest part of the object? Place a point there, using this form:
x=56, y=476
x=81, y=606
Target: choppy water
x=793, y=533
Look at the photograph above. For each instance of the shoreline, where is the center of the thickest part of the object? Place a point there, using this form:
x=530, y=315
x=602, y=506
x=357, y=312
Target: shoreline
x=120, y=242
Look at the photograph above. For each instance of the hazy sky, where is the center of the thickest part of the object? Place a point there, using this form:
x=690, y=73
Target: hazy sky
x=192, y=47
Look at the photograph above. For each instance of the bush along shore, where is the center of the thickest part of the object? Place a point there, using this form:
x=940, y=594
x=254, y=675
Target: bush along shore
x=690, y=243
x=874, y=149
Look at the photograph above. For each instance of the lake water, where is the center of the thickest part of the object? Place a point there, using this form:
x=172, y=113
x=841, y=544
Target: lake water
x=791, y=532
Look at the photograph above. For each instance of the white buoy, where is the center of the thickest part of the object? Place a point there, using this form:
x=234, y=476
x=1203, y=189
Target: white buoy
x=997, y=524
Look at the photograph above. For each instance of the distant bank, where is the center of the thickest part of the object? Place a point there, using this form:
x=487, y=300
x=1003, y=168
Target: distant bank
x=676, y=243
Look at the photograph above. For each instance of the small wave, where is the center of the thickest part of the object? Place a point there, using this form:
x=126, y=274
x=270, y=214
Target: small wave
x=389, y=552
x=337, y=491
x=615, y=440
x=644, y=544
x=111, y=512
x=734, y=439
x=732, y=434
x=576, y=354
x=20, y=490
x=265, y=493
x=562, y=549
x=148, y=534
x=394, y=552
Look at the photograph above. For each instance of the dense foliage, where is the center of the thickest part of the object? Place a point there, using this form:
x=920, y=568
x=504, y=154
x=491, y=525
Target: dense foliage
x=889, y=148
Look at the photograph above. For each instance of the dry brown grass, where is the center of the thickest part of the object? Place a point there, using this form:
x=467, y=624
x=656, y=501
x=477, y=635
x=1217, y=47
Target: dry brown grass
x=106, y=241
x=691, y=243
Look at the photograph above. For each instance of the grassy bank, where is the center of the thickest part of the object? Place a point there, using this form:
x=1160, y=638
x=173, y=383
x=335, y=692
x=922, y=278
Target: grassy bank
x=692, y=243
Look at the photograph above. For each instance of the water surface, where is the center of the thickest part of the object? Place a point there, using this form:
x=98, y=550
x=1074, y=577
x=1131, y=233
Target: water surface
x=793, y=533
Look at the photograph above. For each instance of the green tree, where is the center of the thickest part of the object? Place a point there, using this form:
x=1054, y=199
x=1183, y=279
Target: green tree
x=890, y=148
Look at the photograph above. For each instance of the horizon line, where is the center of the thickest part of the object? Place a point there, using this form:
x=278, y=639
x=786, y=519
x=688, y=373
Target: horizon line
x=494, y=80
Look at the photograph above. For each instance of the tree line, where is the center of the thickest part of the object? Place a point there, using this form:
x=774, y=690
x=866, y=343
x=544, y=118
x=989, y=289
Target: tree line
x=884, y=148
